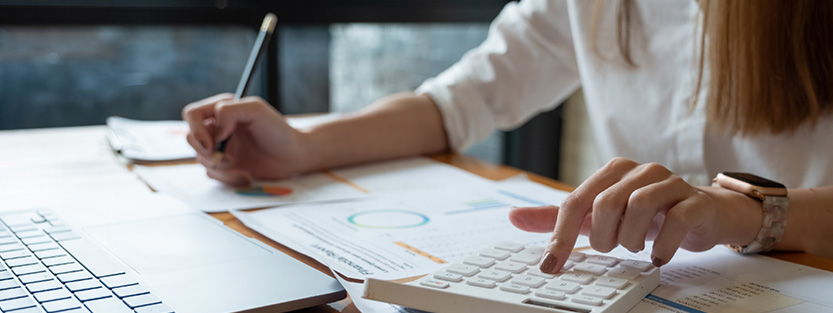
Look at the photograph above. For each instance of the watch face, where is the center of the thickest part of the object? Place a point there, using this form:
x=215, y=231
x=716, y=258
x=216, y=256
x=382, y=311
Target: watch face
x=754, y=180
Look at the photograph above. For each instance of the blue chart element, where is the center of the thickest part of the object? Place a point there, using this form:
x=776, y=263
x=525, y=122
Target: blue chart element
x=480, y=205
x=388, y=219
x=522, y=198
x=672, y=304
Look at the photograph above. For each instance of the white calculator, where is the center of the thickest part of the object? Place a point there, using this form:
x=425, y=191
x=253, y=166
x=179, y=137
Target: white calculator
x=505, y=278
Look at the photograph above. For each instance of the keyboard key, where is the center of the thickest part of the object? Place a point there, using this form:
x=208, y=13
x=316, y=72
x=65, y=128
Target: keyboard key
x=576, y=256
x=18, y=219
x=513, y=267
x=496, y=275
x=64, y=236
x=481, y=282
x=29, y=233
x=441, y=276
x=563, y=286
x=58, y=229
x=11, y=247
x=93, y=294
x=35, y=240
x=118, y=281
x=479, y=261
x=581, y=278
x=551, y=294
x=44, y=286
x=156, y=308
x=132, y=290
x=33, y=309
x=8, y=240
x=74, y=276
x=462, y=269
x=66, y=268
x=36, y=277
x=21, y=261
x=28, y=269
x=637, y=265
x=4, y=274
x=14, y=254
x=77, y=286
x=599, y=292
x=528, y=280
x=52, y=295
x=145, y=299
x=8, y=284
x=17, y=304
x=595, y=269
x=510, y=246
x=38, y=220
x=587, y=300
x=434, y=283
x=108, y=305
x=93, y=258
x=58, y=261
x=61, y=305
x=43, y=246
x=515, y=288
x=625, y=273
x=23, y=228
x=45, y=254
x=495, y=254
x=612, y=282
x=529, y=255
x=13, y=293
x=602, y=260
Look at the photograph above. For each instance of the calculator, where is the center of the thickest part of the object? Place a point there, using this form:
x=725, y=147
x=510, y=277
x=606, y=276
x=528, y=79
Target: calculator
x=505, y=278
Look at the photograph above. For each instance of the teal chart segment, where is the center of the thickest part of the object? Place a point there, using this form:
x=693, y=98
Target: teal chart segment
x=388, y=219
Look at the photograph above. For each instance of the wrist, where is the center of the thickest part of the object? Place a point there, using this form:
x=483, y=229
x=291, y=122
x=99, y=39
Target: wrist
x=739, y=216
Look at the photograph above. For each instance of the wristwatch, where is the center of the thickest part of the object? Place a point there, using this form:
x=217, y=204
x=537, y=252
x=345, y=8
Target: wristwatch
x=774, y=200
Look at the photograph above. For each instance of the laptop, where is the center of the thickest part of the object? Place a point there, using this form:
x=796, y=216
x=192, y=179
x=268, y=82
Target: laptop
x=149, y=253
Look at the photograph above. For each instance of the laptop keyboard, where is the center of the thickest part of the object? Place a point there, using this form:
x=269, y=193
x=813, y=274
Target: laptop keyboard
x=48, y=267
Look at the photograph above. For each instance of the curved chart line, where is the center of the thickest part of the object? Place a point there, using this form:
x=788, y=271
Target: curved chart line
x=421, y=219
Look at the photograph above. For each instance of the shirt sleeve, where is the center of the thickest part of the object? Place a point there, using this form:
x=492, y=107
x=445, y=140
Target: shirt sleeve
x=527, y=65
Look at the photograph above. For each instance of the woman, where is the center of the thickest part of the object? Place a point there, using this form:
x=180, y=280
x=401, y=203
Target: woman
x=677, y=91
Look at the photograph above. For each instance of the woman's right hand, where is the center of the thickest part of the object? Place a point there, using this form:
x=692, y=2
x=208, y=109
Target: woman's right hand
x=261, y=145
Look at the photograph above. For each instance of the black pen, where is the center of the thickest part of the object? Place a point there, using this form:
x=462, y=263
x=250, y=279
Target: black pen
x=266, y=29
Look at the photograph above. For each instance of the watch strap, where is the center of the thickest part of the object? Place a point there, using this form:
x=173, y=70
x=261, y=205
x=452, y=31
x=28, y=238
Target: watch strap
x=772, y=227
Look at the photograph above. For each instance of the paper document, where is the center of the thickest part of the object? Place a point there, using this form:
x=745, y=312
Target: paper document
x=406, y=234
x=149, y=141
x=190, y=184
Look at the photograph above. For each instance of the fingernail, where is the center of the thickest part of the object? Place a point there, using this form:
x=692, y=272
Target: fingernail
x=549, y=263
x=657, y=261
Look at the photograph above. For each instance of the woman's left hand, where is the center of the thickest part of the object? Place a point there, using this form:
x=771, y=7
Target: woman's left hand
x=626, y=203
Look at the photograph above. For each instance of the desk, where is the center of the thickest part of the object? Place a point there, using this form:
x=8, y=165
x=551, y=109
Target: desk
x=37, y=138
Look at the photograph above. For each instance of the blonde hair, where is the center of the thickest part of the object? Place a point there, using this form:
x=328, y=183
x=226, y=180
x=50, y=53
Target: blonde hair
x=770, y=61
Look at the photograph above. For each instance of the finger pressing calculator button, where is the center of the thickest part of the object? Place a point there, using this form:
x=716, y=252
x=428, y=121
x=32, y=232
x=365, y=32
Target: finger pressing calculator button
x=434, y=283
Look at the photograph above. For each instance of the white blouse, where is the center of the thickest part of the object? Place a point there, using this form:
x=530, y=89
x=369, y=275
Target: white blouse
x=540, y=51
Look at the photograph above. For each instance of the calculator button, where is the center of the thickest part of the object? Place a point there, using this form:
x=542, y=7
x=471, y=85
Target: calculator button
x=612, y=282
x=599, y=292
x=537, y=272
x=434, y=283
x=527, y=280
x=449, y=277
x=551, y=294
x=637, y=265
x=625, y=273
x=595, y=269
x=515, y=288
x=529, y=255
x=563, y=286
x=496, y=275
x=509, y=246
x=479, y=261
x=462, y=269
x=576, y=256
x=481, y=282
x=581, y=278
x=513, y=267
x=587, y=300
x=495, y=254
x=602, y=260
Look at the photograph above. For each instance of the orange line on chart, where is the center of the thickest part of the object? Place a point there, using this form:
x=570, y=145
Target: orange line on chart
x=420, y=252
x=344, y=180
